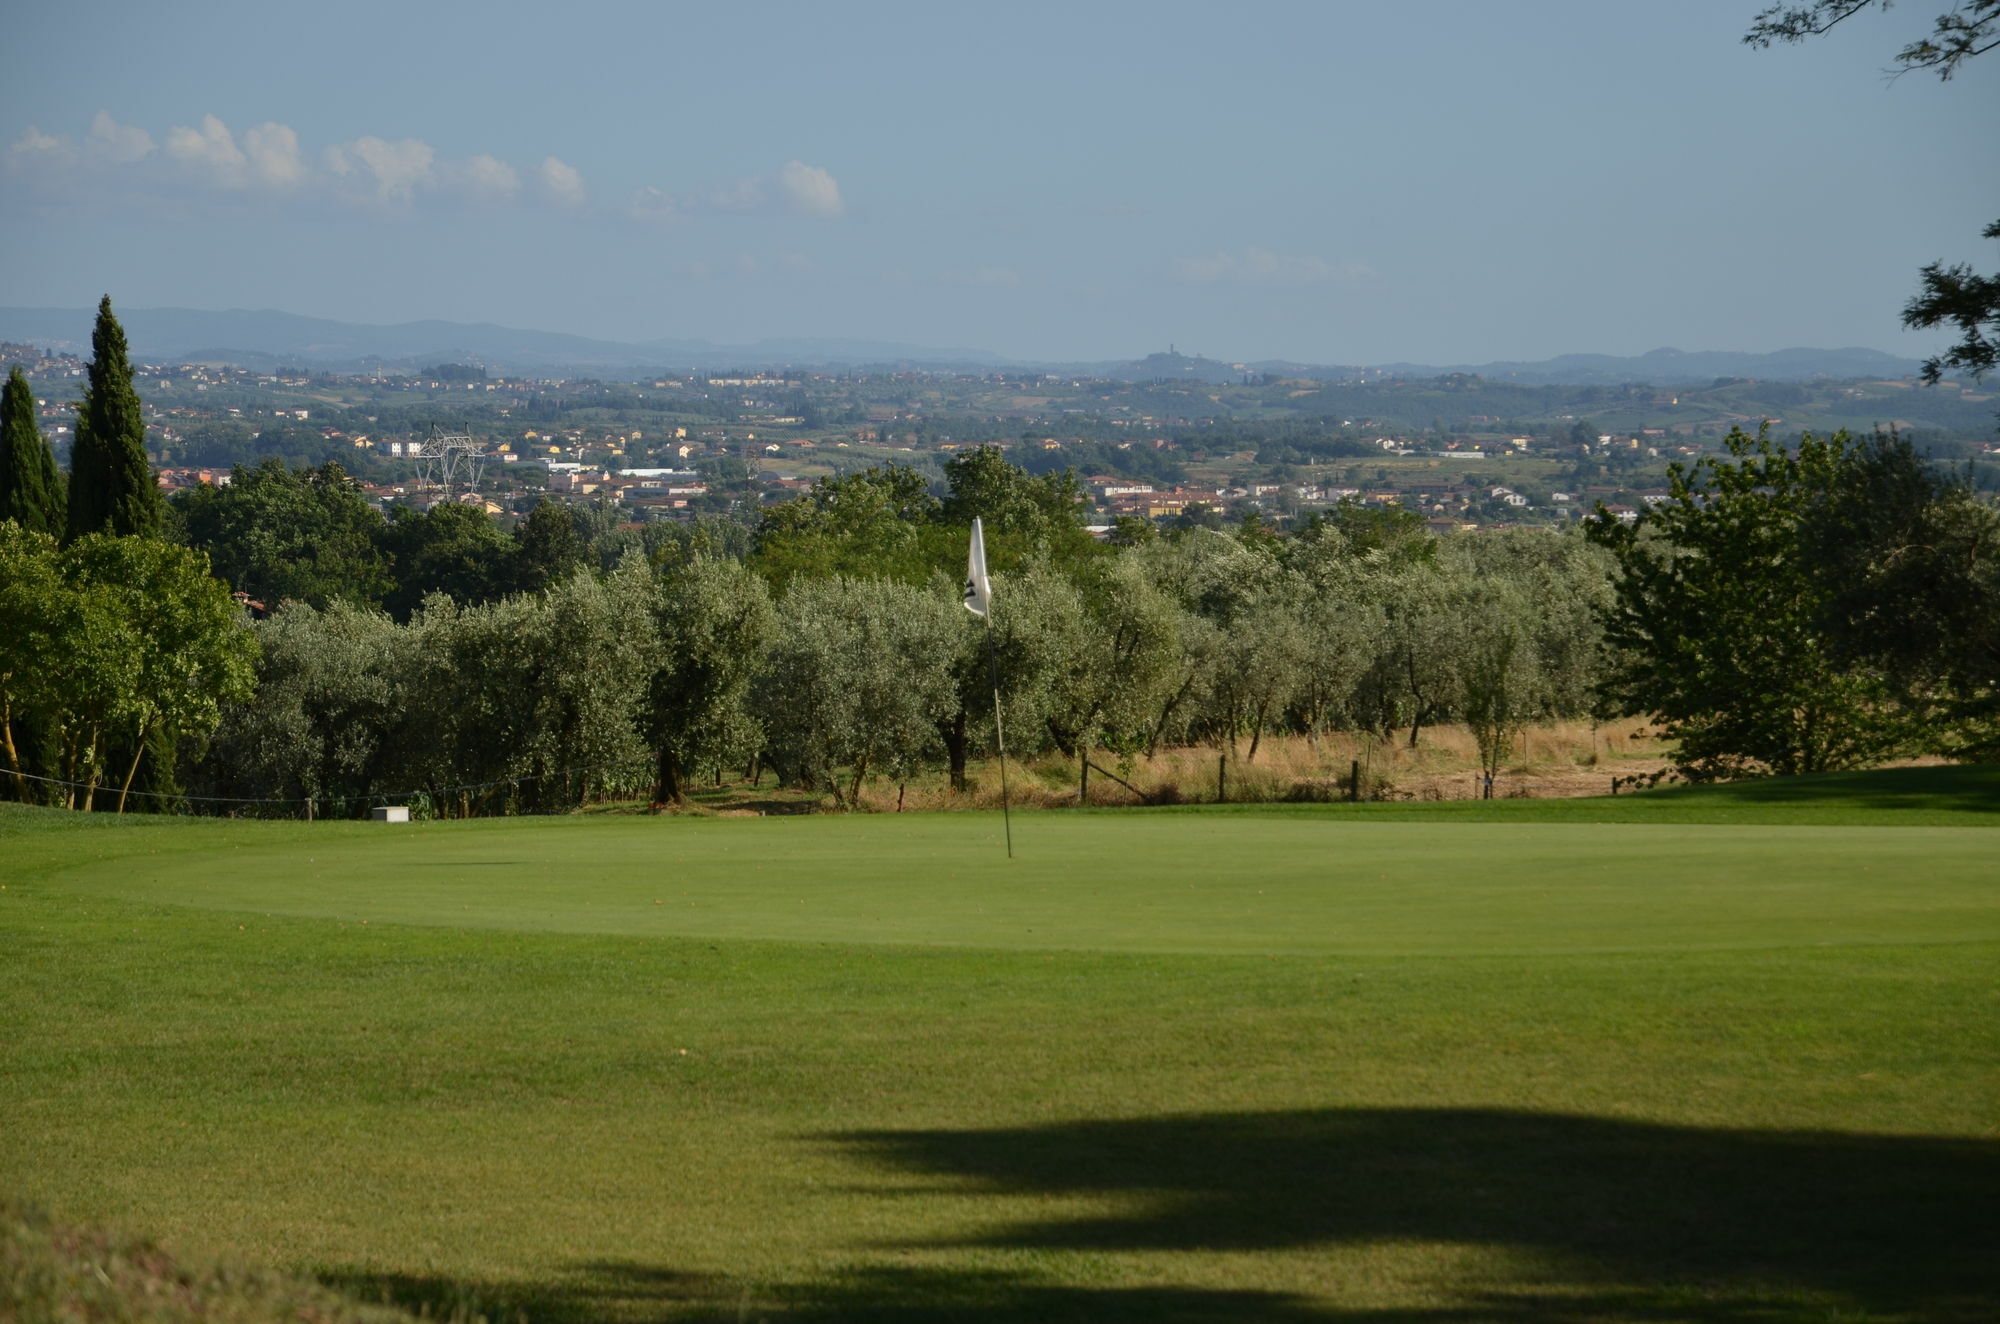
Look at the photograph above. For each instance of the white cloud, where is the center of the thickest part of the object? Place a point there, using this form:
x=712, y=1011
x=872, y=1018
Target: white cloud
x=811, y=190
x=209, y=151
x=562, y=183
x=1260, y=266
x=396, y=169
x=273, y=153
x=489, y=177
x=35, y=149
x=117, y=144
x=123, y=164
x=651, y=204
x=796, y=187
x=740, y=195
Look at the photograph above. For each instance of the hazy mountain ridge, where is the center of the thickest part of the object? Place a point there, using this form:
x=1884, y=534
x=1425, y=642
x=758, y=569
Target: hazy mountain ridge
x=1662, y=366
x=267, y=338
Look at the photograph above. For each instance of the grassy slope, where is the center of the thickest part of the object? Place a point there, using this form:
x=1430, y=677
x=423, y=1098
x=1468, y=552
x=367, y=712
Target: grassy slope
x=1360, y=1102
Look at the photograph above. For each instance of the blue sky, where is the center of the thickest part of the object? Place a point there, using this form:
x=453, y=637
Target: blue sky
x=1330, y=182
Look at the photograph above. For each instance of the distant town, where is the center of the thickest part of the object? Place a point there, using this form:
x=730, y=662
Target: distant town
x=1460, y=451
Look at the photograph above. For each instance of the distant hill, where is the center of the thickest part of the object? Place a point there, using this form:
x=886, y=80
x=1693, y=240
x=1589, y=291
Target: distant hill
x=268, y=338
x=1663, y=366
x=272, y=339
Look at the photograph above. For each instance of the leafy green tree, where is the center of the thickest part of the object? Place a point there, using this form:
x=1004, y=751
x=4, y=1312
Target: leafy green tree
x=1959, y=297
x=1343, y=626
x=328, y=701
x=282, y=534
x=1912, y=560
x=42, y=616
x=856, y=681
x=111, y=485
x=30, y=486
x=586, y=690
x=1241, y=588
x=878, y=523
x=453, y=549
x=1564, y=585
x=1038, y=627
x=1132, y=530
x=1719, y=618
x=1413, y=678
x=1113, y=683
x=1499, y=676
x=187, y=649
x=530, y=703
x=547, y=547
x=1370, y=528
x=714, y=619
x=1019, y=513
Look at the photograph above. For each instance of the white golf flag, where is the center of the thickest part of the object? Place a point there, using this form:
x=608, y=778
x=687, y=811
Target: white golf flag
x=978, y=589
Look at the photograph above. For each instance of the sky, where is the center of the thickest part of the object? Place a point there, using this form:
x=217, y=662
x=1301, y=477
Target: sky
x=1349, y=181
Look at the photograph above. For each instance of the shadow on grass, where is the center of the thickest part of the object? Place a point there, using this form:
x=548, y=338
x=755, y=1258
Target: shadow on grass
x=1962, y=788
x=1626, y=1212
x=1600, y=1219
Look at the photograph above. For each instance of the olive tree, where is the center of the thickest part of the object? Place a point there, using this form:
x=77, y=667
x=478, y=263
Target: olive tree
x=329, y=698
x=856, y=681
x=714, y=618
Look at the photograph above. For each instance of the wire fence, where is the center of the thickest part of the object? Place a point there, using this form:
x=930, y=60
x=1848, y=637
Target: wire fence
x=332, y=805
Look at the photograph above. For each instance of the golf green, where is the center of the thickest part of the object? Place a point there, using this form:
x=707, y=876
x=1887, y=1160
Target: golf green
x=1311, y=1065
x=1102, y=882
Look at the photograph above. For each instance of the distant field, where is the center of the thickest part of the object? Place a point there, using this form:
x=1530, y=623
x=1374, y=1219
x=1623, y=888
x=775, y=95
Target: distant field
x=1729, y=1054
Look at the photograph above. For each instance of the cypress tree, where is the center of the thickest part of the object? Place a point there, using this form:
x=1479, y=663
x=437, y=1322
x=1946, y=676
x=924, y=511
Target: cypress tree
x=30, y=490
x=111, y=487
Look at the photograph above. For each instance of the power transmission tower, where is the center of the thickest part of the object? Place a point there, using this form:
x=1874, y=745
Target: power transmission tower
x=449, y=463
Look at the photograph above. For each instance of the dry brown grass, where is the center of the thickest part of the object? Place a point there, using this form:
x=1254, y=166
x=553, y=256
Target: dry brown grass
x=1559, y=759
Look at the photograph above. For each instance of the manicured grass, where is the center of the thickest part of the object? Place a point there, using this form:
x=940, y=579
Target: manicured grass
x=1311, y=1064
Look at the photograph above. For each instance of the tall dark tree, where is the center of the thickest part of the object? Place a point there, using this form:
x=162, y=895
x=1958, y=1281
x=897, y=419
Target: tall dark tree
x=111, y=486
x=547, y=547
x=30, y=488
x=1913, y=558
x=279, y=534
x=1720, y=619
x=1960, y=297
x=452, y=549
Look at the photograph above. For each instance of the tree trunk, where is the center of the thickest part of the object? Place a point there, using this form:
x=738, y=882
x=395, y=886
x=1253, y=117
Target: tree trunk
x=669, y=787
x=953, y=734
x=1083, y=776
x=13, y=757
x=90, y=770
x=131, y=771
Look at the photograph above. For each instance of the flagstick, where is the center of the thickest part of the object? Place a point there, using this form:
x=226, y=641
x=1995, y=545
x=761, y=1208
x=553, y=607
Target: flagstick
x=999, y=732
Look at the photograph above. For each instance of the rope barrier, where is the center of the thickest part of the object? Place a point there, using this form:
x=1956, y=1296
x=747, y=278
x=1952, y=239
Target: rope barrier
x=433, y=792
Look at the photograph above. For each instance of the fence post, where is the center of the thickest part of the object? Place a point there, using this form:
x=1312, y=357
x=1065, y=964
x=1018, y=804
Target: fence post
x=1354, y=782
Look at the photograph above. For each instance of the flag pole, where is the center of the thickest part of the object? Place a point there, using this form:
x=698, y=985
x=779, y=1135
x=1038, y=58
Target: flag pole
x=979, y=601
x=999, y=734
